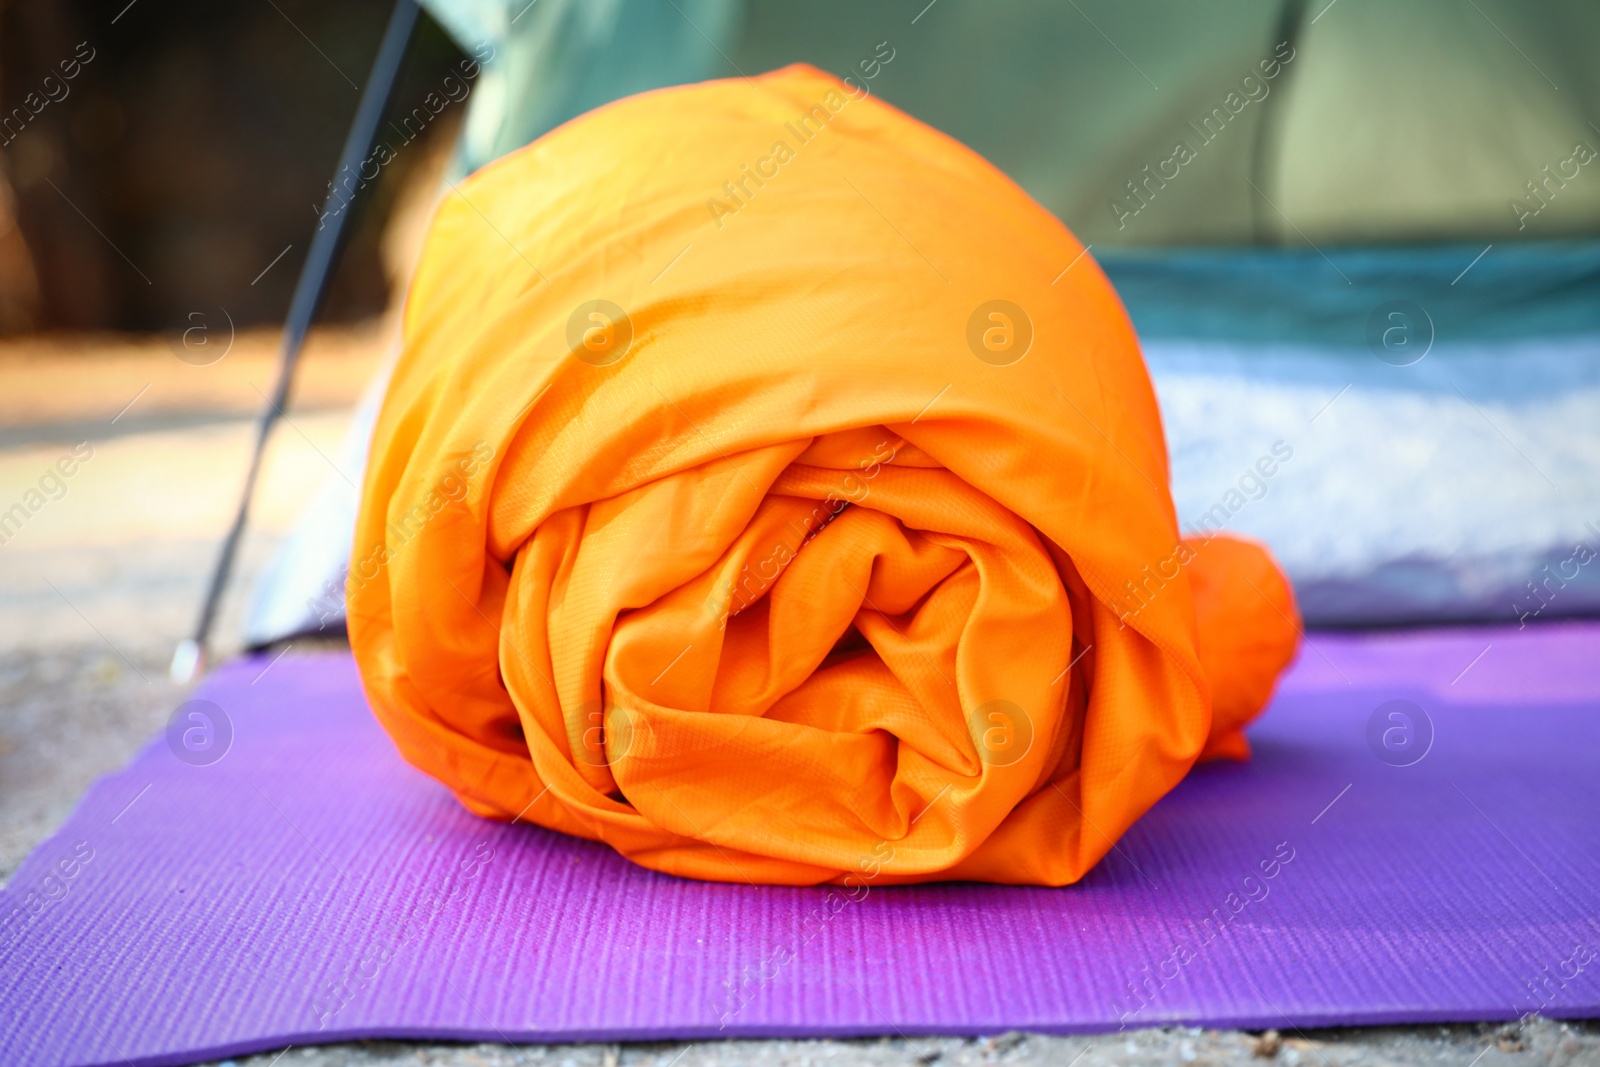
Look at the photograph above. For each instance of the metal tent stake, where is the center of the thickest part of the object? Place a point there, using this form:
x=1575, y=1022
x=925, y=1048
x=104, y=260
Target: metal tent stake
x=190, y=657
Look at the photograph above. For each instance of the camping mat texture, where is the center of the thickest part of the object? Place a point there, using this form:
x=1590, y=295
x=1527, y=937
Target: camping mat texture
x=1415, y=840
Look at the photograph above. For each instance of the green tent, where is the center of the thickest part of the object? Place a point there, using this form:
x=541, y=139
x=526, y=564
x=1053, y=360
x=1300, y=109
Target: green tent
x=1145, y=123
x=1362, y=231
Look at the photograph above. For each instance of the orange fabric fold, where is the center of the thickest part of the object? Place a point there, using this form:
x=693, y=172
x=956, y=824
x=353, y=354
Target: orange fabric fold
x=757, y=492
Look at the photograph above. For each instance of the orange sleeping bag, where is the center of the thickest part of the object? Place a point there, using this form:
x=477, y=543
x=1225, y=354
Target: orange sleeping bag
x=770, y=489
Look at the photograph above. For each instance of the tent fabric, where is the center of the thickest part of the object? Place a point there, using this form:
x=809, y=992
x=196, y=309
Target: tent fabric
x=547, y=62
x=750, y=535
x=1303, y=123
x=1480, y=293
x=1464, y=137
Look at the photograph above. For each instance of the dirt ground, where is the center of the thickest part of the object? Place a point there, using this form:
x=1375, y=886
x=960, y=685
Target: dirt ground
x=104, y=580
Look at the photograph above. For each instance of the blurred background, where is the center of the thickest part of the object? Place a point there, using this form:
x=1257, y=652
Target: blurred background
x=196, y=141
x=1364, y=231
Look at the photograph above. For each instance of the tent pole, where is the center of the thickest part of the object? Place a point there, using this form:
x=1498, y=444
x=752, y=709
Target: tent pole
x=189, y=658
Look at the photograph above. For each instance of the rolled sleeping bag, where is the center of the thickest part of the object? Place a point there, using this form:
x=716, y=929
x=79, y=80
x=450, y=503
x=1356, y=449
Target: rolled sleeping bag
x=769, y=489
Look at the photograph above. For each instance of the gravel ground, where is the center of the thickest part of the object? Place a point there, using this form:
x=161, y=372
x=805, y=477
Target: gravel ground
x=101, y=584
x=1535, y=1042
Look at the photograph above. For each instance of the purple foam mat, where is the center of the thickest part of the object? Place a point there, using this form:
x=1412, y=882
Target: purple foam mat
x=309, y=887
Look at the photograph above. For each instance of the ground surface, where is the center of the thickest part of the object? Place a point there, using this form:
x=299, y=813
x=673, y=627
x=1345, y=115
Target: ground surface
x=102, y=582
